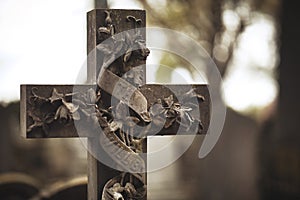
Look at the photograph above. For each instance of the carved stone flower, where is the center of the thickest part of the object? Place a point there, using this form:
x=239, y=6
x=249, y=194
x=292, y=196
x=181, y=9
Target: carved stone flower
x=168, y=111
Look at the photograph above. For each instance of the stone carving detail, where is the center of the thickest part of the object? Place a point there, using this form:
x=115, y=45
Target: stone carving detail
x=123, y=147
x=116, y=123
x=62, y=108
x=174, y=112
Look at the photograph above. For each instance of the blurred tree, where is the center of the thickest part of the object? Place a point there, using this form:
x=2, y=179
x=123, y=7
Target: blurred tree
x=202, y=20
x=216, y=25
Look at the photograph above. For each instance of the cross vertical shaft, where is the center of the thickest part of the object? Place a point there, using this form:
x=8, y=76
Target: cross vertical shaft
x=103, y=23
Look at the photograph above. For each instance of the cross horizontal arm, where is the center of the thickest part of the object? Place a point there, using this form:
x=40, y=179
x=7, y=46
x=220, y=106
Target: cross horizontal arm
x=49, y=111
x=185, y=95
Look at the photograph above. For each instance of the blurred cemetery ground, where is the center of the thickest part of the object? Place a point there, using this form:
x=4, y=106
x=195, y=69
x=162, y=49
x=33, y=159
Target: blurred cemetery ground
x=243, y=38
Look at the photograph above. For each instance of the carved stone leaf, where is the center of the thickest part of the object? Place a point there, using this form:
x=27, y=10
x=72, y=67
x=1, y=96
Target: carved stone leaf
x=134, y=76
x=61, y=113
x=115, y=125
x=76, y=116
x=37, y=122
x=49, y=118
x=80, y=103
x=145, y=116
x=171, y=113
x=113, y=47
x=94, y=119
x=113, y=189
x=169, y=122
x=34, y=116
x=185, y=108
x=72, y=108
x=132, y=121
x=200, y=124
x=91, y=96
x=127, y=55
x=138, y=77
x=192, y=94
x=156, y=109
x=145, y=51
x=195, y=115
x=200, y=97
x=106, y=48
x=119, y=45
x=34, y=125
x=56, y=96
x=121, y=111
x=186, y=120
x=167, y=102
x=35, y=99
x=103, y=122
x=130, y=190
x=65, y=113
x=129, y=39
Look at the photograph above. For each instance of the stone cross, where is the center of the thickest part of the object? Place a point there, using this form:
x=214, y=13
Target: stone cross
x=116, y=110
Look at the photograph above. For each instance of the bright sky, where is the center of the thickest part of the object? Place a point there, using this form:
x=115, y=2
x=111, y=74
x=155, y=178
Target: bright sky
x=250, y=83
x=41, y=42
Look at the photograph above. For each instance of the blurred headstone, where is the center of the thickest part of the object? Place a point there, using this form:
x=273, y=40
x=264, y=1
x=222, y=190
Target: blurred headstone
x=15, y=186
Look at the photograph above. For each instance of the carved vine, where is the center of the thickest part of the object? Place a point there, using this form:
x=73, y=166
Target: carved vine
x=166, y=112
x=62, y=108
